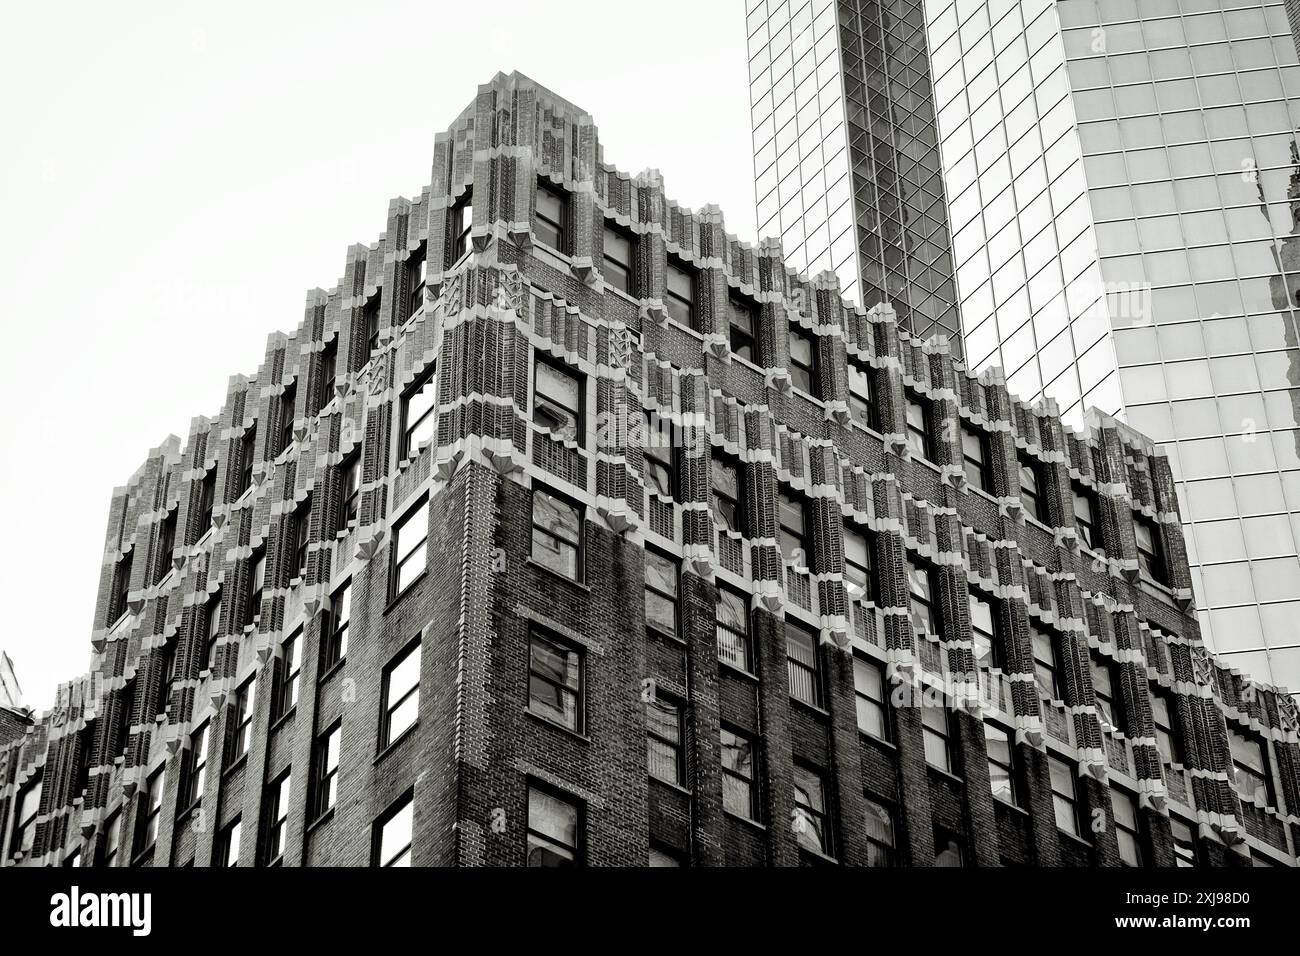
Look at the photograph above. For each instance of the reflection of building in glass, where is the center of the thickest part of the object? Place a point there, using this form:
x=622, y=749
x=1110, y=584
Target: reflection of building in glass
x=1117, y=195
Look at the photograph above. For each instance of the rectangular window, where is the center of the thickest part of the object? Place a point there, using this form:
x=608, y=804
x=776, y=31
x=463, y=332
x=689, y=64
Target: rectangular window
x=553, y=827
x=211, y=628
x=555, y=686
x=329, y=360
x=664, y=754
x=803, y=360
x=552, y=217
x=370, y=327
x=920, y=587
x=419, y=413
x=288, y=409
x=987, y=648
x=28, y=805
x=247, y=452
x=257, y=576
x=811, y=817
x=150, y=803
x=462, y=222
x=1085, y=519
x=557, y=534
x=1166, y=740
x=742, y=321
x=739, y=793
x=935, y=733
x=732, y=618
x=1031, y=495
x=325, y=771
x=974, y=456
x=277, y=819
x=1184, y=843
x=680, y=293
x=790, y=519
x=857, y=566
x=1103, y=686
x=112, y=840
x=869, y=689
x=1123, y=810
x=1065, y=797
x=1004, y=780
x=1150, y=553
x=301, y=537
x=227, y=854
x=880, y=834
x=241, y=722
x=207, y=500
x=948, y=849
x=557, y=401
x=121, y=587
x=619, y=264
x=661, y=857
x=195, y=769
x=415, y=282
x=401, y=692
x=1250, y=768
x=1046, y=663
x=409, y=551
x=336, y=628
x=287, y=670
x=862, y=400
x=728, y=513
x=660, y=593
x=801, y=664
x=349, y=491
x=918, y=426
x=166, y=547
x=392, y=835
x=660, y=473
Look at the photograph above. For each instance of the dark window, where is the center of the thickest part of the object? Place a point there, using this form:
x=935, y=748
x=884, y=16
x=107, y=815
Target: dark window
x=987, y=649
x=661, y=857
x=1004, y=776
x=121, y=587
x=277, y=818
x=936, y=733
x=857, y=566
x=227, y=854
x=1046, y=663
x=285, y=697
x=801, y=664
x=620, y=265
x=28, y=805
x=211, y=628
x=728, y=513
x=742, y=321
x=1103, y=686
x=658, y=448
x=791, y=521
x=739, y=791
x=557, y=534
x=462, y=222
x=329, y=358
x=401, y=690
x=257, y=580
x=370, y=327
x=112, y=840
x=811, y=816
x=1031, y=495
x=920, y=585
x=918, y=425
x=974, y=456
x=553, y=828
x=1150, y=553
x=1123, y=809
x=166, y=547
x=557, y=401
x=552, y=216
x=336, y=628
x=1250, y=768
x=409, y=551
x=391, y=844
x=1085, y=518
x=325, y=771
x=1166, y=740
x=195, y=769
x=1185, y=851
x=869, y=691
x=732, y=619
x=288, y=409
x=419, y=413
x=880, y=834
x=948, y=849
x=247, y=453
x=862, y=399
x=349, y=491
x=555, y=681
x=1065, y=797
x=241, y=722
x=664, y=753
x=660, y=593
x=415, y=267
x=73, y=859
x=680, y=300
x=301, y=537
x=207, y=500
x=803, y=360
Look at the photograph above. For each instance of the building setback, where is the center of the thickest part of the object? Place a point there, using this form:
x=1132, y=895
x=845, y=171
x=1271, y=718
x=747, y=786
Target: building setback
x=386, y=608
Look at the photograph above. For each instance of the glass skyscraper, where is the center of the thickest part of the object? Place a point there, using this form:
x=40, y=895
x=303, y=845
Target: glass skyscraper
x=1117, y=189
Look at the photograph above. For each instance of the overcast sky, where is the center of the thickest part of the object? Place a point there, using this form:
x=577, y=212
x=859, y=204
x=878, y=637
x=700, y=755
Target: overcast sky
x=174, y=179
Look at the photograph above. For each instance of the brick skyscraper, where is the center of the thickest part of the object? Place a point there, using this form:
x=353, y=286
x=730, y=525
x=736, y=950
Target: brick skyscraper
x=569, y=528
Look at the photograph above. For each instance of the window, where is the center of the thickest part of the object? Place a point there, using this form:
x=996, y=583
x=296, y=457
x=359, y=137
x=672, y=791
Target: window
x=659, y=471
x=661, y=857
x=869, y=689
x=727, y=511
x=241, y=722
x=29, y=804
x=557, y=401
x=150, y=803
x=415, y=267
x=742, y=321
x=462, y=221
x=987, y=649
x=247, y=452
x=288, y=401
x=918, y=426
x=660, y=593
x=207, y=500
x=1250, y=768
x=392, y=835
x=301, y=537
x=1184, y=843
x=1065, y=798
x=680, y=293
x=935, y=732
x=739, y=794
x=1123, y=810
x=112, y=840
x=974, y=457
x=921, y=590
x=1004, y=780
x=277, y=818
x=329, y=358
x=1031, y=496
x=1085, y=519
x=73, y=859
x=619, y=266
x=801, y=664
x=257, y=574
x=1150, y=553
x=401, y=694
x=211, y=628
x=349, y=491
x=732, y=618
x=862, y=402
x=419, y=413
x=370, y=327
x=664, y=753
x=1103, y=686
x=811, y=818
x=121, y=587
x=166, y=547
x=947, y=849
x=857, y=566
x=336, y=628
x=790, y=518
x=553, y=826
x=228, y=845
x=557, y=534
x=552, y=217
x=1166, y=740
x=880, y=834
x=195, y=770
x=555, y=687
x=325, y=771
x=803, y=360
x=1046, y=666
x=287, y=670
x=409, y=551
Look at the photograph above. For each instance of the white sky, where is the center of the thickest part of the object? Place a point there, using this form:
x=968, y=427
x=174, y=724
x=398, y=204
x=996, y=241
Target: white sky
x=173, y=179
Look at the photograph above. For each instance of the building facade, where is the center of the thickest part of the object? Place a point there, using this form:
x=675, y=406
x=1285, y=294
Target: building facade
x=567, y=528
x=1118, y=187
